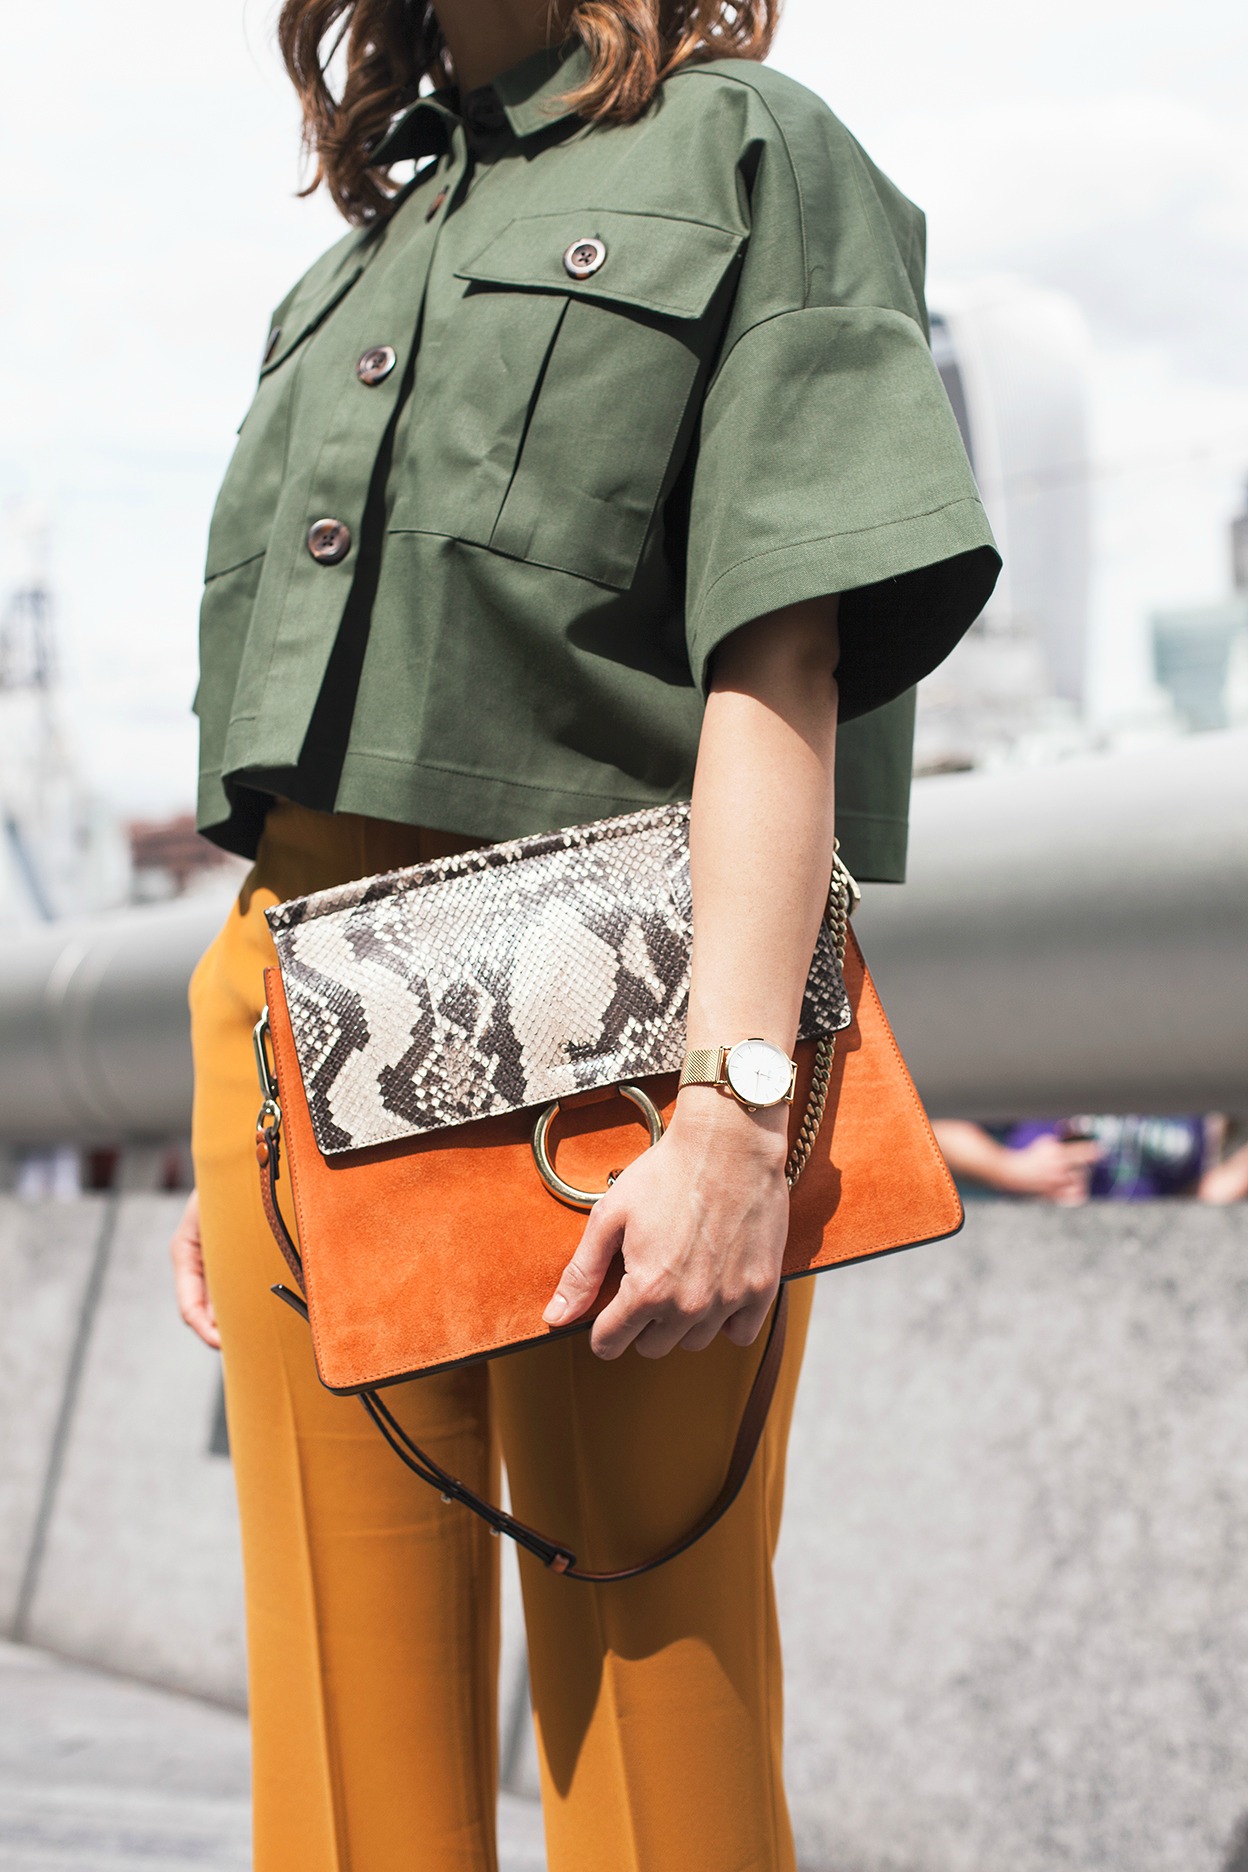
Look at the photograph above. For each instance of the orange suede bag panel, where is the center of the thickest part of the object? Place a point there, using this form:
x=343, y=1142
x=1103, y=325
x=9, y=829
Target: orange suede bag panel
x=445, y=1248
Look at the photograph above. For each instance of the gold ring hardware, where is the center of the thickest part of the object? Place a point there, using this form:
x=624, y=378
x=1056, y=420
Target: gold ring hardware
x=567, y=1192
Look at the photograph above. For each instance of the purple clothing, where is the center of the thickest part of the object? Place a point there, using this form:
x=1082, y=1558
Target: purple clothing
x=1139, y=1157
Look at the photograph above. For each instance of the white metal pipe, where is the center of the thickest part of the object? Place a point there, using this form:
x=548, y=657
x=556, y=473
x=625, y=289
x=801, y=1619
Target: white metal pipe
x=94, y=1029
x=1073, y=938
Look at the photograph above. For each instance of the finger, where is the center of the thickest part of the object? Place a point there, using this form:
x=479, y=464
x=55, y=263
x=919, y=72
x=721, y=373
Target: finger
x=619, y=1324
x=196, y=1308
x=745, y=1325
x=583, y=1276
x=705, y=1333
x=190, y=1285
x=662, y=1336
x=204, y=1326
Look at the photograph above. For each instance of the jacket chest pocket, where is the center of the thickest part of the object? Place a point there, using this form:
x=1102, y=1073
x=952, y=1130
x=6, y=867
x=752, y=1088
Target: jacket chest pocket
x=243, y=515
x=583, y=336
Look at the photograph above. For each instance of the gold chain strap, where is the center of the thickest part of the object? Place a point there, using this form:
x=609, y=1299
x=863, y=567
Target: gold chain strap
x=843, y=894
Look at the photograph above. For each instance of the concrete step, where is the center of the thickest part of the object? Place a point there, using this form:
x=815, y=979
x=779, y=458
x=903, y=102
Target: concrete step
x=100, y=1774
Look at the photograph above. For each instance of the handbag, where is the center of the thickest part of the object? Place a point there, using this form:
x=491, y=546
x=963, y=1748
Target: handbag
x=498, y=1021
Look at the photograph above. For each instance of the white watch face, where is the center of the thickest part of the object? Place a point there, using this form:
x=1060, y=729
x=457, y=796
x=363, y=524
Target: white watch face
x=758, y=1072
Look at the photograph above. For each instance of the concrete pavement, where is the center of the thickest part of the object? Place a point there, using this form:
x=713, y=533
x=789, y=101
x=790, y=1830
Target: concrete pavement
x=100, y=1774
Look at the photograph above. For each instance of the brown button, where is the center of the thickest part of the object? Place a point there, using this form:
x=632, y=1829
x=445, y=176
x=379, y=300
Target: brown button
x=329, y=541
x=583, y=258
x=271, y=344
x=435, y=204
x=376, y=363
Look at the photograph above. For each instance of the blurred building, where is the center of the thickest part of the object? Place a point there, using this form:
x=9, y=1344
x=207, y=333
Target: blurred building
x=1200, y=653
x=1014, y=360
x=62, y=850
x=1193, y=655
x=169, y=859
x=1239, y=546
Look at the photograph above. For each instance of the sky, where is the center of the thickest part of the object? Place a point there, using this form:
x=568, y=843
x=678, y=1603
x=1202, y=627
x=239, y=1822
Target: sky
x=148, y=171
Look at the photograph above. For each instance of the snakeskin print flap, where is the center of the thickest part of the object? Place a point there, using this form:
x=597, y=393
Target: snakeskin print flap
x=501, y=978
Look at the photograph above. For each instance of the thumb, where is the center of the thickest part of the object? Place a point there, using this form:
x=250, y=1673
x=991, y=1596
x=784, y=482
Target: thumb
x=581, y=1279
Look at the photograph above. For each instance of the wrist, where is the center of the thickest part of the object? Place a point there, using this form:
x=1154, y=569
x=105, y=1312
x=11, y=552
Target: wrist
x=1016, y=1173
x=711, y=1118
x=754, y=1071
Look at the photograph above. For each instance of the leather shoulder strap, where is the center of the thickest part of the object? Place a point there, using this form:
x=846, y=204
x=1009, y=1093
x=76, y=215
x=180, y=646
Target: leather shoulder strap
x=551, y=1553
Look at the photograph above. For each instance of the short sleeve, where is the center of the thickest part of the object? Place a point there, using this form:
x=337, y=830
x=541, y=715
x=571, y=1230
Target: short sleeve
x=828, y=457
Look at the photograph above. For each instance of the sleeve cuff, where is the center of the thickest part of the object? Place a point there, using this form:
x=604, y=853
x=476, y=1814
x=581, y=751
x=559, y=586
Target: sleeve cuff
x=829, y=461
x=911, y=589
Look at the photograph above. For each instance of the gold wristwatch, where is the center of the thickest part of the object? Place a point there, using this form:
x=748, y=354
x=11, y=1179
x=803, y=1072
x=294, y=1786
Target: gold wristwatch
x=755, y=1072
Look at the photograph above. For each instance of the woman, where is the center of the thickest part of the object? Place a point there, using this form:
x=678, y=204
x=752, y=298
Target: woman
x=607, y=445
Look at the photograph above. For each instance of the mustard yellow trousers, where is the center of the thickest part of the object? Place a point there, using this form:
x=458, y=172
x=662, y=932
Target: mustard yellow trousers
x=372, y=1607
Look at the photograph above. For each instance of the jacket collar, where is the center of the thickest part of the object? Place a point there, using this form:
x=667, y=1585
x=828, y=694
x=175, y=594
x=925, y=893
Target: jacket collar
x=530, y=94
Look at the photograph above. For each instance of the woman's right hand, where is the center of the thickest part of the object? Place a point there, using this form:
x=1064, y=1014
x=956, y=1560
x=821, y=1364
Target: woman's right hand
x=1056, y=1168
x=1059, y=1169
x=190, y=1284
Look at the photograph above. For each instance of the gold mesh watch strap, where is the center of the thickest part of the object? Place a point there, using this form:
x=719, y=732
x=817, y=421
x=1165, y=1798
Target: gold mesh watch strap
x=703, y=1066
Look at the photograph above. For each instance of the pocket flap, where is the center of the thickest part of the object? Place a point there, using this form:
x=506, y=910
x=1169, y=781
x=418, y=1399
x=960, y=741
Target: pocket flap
x=312, y=302
x=654, y=262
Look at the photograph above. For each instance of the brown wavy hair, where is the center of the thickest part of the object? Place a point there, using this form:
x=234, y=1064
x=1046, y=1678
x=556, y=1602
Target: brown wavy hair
x=383, y=50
